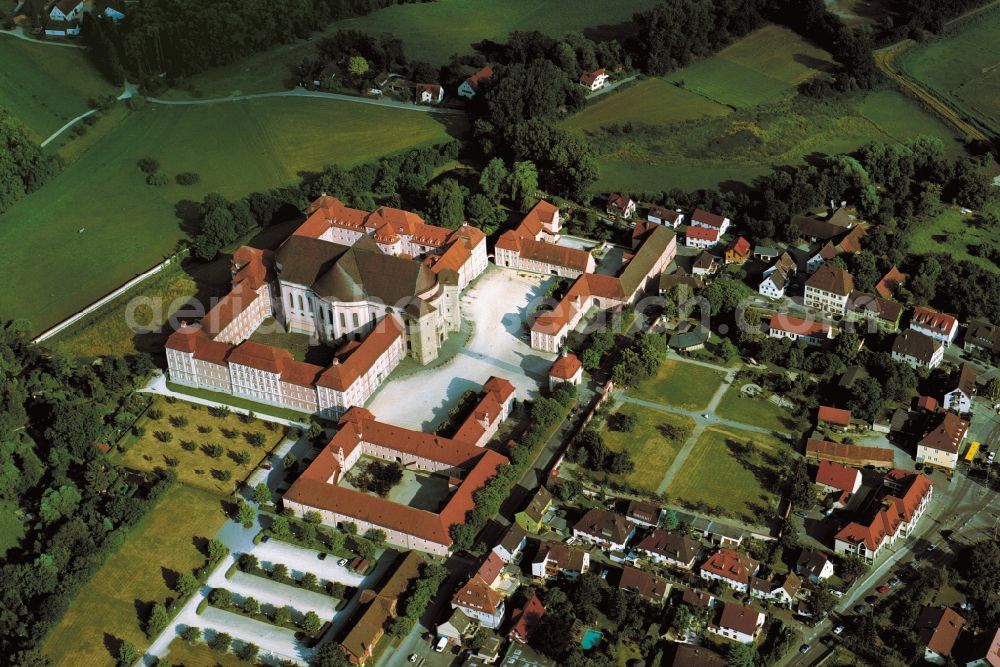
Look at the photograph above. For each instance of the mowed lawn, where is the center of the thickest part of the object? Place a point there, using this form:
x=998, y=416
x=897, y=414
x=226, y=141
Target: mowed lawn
x=648, y=102
x=652, y=450
x=106, y=610
x=183, y=654
x=195, y=466
x=962, y=69
x=758, y=411
x=900, y=119
x=954, y=232
x=764, y=66
x=723, y=473
x=681, y=385
x=11, y=526
x=46, y=86
x=430, y=32
x=54, y=269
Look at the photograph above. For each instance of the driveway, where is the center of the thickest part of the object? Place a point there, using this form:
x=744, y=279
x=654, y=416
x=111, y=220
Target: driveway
x=275, y=642
x=300, y=560
x=279, y=595
x=496, y=306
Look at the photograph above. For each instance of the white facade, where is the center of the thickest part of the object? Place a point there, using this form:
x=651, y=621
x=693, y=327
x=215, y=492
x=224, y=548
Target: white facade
x=936, y=358
x=705, y=244
x=936, y=457
x=771, y=288
x=830, y=302
x=957, y=400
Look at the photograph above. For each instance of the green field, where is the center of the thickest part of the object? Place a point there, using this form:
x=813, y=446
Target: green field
x=430, y=32
x=45, y=86
x=648, y=102
x=680, y=384
x=106, y=610
x=11, y=527
x=196, y=467
x=754, y=411
x=129, y=226
x=183, y=654
x=721, y=476
x=652, y=452
x=957, y=232
x=765, y=66
x=961, y=69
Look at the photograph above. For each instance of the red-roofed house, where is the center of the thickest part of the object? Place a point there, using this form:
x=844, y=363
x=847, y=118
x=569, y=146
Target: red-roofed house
x=907, y=496
x=938, y=629
x=594, y=80
x=477, y=600
x=739, y=252
x=741, y=623
x=927, y=403
x=731, y=567
x=702, y=218
x=939, y=326
x=470, y=86
x=836, y=478
x=943, y=442
x=567, y=368
x=837, y=417
x=701, y=237
x=890, y=283
x=526, y=619
x=531, y=246
x=810, y=333
x=620, y=206
x=491, y=569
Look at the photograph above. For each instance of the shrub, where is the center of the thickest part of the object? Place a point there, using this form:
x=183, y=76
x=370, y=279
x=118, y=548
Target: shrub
x=172, y=462
x=191, y=633
x=148, y=164
x=156, y=179
x=220, y=597
x=138, y=431
x=189, y=445
x=204, y=429
x=243, y=458
x=221, y=642
x=255, y=439
x=155, y=414
x=179, y=421
x=187, y=178
x=164, y=436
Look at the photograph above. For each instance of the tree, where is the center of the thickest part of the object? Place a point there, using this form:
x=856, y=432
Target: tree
x=220, y=597
x=992, y=388
x=357, y=65
x=251, y=606
x=249, y=652
x=670, y=520
x=739, y=655
x=221, y=641
x=246, y=515
x=288, y=463
x=262, y=494
x=446, y=203
x=280, y=527
x=309, y=580
x=311, y=623
x=524, y=185
x=494, y=180
x=187, y=584
x=128, y=654
x=191, y=634
x=486, y=215
x=283, y=616
x=157, y=621
x=329, y=655
x=216, y=550
x=59, y=502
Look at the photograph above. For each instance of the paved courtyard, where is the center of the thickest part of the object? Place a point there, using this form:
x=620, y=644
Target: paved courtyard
x=497, y=307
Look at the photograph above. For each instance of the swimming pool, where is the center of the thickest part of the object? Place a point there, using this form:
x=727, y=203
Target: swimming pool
x=590, y=639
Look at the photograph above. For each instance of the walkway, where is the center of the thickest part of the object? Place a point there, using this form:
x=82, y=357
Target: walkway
x=158, y=385
x=302, y=92
x=18, y=32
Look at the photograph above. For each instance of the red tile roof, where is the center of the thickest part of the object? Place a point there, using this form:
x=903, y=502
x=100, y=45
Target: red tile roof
x=731, y=564
x=482, y=75
x=939, y=628
x=706, y=218
x=834, y=416
x=834, y=451
x=741, y=248
x=526, y=619
x=928, y=403
x=838, y=476
x=477, y=595
x=783, y=322
x=387, y=332
x=894, y=511
x=890, y=282
x=947, y=434
x=566, y=366
x=490, y=569
x=702, y=233
x=588, y=78
x=933, y=320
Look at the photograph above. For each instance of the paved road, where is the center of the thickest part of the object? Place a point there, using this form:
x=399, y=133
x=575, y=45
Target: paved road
x=302, y=92
x=18, y=32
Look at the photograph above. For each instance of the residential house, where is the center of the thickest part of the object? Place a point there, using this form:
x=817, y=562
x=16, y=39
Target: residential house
x=833, y=417
x=110, y=9
x=731, y=567
x=826, y=253
x=766, y=253
x=782, y=590
x=533, y=246
x=890, y=283
x=828, y=289
x=645, y=584
x=488, y=651
x=706, y=220
x=691, y=655
x=620, y=206
x=532, y=516
x=982, y=336
x=960, y=398
x=881, y=313
x=525, y=619
x=642, y=513
x=926, y=403
x=669, y=547
x=855, y=455
x=491, y=570
x=512, y=544
x=665, y=216
x=739, y=252
x=793, y=328
x=986, y=652
x=741, y=623
x=905, y=497
x=594, y=80
x=65, y=17
x=567, y=368
x=939, y=326
x=774, y=284
x=606, y=529
x=477, y=600
x=943, y=442
x=697, y=599
x=840, y=479
x=917, y=349
x=429, y=93
x=701, y=237
x=383, y=607
x=457, y=628
x=814, y=566
x=705, y=264
x=938, y=629
x=690, y=339
x=557, y=558
x=470, y=86
x=823, y=230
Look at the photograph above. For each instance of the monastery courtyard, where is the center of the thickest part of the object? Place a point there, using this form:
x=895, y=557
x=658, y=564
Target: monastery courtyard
x=495, y=308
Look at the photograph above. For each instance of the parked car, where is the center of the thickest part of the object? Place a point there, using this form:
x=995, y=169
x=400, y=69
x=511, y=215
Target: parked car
x=838, y=630
x=265, y=538
x=804, y=648
x=931, y=548
x=342, y=562
x=413, y=657
x=266, y=466
x=860, y=608
x=441, y=643
x=802, y=514
x=965, y=605
x=883, y=589
x=837, y=594
x=893, y=582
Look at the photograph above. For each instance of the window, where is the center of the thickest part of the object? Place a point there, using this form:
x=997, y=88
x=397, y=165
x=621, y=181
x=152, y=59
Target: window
x=357, y=320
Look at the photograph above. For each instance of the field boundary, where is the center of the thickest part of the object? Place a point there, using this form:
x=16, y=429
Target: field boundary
x=110, y=296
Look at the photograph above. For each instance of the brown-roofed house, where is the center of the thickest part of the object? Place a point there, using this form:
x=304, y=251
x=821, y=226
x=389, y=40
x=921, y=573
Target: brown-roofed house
x=604, y=528
x=938, y=629
x=941, y=445
x=741, y=623
x=480, y=602
x=828, y=289
x=833, y=416
x=526, y=619
x=645, y=584
x=917, y=349
x=670, y=547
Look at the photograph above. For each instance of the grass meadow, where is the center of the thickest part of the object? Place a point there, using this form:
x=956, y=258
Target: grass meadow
x=960, y=68
x=652, y=451
x=194, y=464
x=113, y=604
x=729, y=476
x=955, y=231
x=46, y=86
x=11, y=526
x=758, y=411
x=236, y=148
x=185, y=654
x=681, y=385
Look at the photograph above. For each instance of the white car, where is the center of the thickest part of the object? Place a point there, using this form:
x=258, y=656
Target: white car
x=837, y=594
x=838, y=630
x=342, y=562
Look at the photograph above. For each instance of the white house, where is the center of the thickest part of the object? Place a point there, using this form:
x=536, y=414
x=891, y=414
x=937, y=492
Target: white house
x=774, y=285
x=429, y=93
x=814, y=566
x=702, y=218
x=620, y=206
x=733, y=568
x=701, y=237
x=938, y=629
x=741, y=623
x=594, y=80
x=917, y=349
x=110, y=9
x=959, y=399
x=470, y=86
x=605, y=529
x=665, y=216
x=811, y=333
x=477, y=600
x=828, y=289
x=670, y=548
x=943, y=442
x=66, y=10
x=512, y=544
x=939, y=326
x=557, y=558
